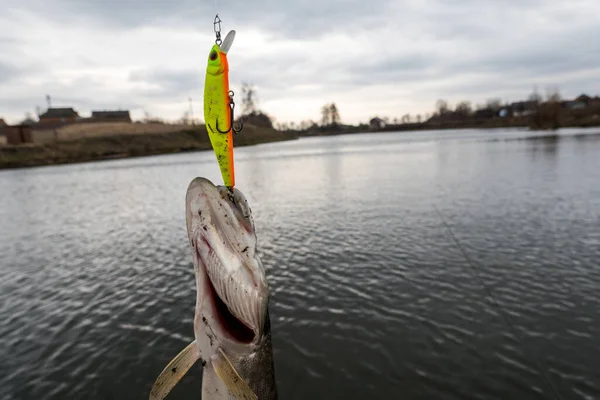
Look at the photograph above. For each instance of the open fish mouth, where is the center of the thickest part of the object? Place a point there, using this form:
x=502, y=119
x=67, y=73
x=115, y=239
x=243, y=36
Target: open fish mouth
x=231, y=324
x=221, y=229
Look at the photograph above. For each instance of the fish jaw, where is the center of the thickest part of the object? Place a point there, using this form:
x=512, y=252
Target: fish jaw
x=232, y=291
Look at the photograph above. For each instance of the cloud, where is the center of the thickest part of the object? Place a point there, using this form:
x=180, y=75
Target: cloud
x=166, y=83
x=285, y=19
x=371, y=57
x=7, y=72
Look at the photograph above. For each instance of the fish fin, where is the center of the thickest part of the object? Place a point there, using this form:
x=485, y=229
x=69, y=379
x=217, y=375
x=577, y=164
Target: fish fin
x=229, y=376
x=174, y=371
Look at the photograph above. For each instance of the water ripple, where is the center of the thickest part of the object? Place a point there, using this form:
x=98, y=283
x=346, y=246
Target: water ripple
x=370, y=296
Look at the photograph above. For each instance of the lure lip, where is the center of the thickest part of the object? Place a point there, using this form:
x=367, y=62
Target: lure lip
x=227, y=42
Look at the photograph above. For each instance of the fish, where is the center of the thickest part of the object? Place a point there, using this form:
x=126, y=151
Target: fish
x=232, y=328
x=218, y=108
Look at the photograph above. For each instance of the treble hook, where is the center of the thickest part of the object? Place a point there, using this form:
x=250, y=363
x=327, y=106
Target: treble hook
x=216, y=22
x=231, y=118
x=241, y=122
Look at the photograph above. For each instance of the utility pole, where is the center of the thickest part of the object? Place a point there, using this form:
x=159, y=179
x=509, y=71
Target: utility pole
x=48, y=100
x=191, y=111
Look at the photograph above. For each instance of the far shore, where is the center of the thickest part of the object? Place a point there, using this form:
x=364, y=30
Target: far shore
x=106, y=147
x=76, y=146
x=485, y=124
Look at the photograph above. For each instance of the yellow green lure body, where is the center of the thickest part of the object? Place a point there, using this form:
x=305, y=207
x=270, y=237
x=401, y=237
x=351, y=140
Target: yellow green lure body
x=218, y=108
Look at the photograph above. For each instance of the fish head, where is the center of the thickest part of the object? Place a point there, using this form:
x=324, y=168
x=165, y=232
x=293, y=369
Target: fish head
x=231, y=281
x=217, y=57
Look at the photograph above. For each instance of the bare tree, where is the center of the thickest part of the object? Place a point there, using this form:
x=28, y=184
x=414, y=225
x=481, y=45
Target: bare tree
x=419, y=118
x=494, y=104
x=463, y=109
x=249, y=99
x=553, y=96
x=441, y=107
x=185, y=118
x=28, y=119
x=325, y=115
x=334, y=114
x=535, y=95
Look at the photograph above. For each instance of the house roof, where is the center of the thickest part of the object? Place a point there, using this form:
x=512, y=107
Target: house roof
x=524, y=105
x=583, y=97
x=59, y=113
x=110, y=114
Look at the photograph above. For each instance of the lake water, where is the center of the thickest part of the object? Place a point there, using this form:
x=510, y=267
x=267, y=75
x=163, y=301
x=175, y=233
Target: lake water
x=372, y=298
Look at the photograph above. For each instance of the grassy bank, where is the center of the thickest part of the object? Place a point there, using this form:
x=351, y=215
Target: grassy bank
x=101, y=147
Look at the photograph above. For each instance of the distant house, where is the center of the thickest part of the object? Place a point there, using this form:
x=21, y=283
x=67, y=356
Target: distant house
x=575, y=105
x=59, y=116
x=521, y=108
x=17, y=134
x=584, y=98
x=484, y=113
x=111, y=116
x=579, y=103
x=376, y=123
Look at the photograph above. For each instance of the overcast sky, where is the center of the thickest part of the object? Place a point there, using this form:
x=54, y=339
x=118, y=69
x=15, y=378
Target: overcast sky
x=370, y=57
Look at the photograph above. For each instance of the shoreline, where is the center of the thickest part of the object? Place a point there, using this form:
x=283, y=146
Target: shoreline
x=112, y=147
x=489, y=124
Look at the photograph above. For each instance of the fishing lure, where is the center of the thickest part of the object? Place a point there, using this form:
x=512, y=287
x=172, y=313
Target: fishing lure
x=219, y=105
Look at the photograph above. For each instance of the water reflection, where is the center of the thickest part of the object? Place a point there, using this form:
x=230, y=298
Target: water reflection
x=547, y=145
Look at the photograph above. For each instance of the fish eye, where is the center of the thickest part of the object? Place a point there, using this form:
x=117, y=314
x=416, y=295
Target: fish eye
x=213, y=55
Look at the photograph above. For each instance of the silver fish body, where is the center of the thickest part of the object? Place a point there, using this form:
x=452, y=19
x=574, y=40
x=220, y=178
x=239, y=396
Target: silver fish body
x=232, y=328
